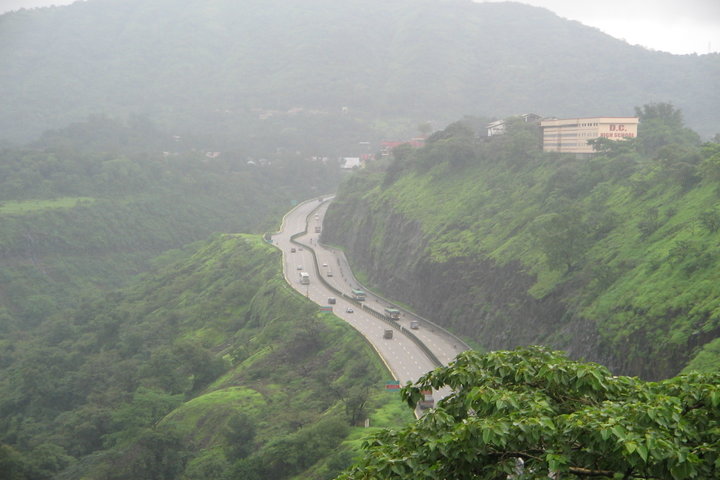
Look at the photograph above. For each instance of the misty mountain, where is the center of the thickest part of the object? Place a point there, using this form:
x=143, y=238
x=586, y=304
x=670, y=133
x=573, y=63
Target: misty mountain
x=276, y=73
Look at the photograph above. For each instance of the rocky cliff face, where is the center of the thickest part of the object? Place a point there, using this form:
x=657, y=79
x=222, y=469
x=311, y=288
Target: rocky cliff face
x=475, y=298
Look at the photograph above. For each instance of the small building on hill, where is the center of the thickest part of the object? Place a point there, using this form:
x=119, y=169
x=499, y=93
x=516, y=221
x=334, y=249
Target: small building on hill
x=348, y=163
x=498, y=126
x=386, y=147
x=571, y=135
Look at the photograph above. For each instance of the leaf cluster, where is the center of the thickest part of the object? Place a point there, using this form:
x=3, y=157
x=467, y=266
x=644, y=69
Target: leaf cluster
x=532, y=413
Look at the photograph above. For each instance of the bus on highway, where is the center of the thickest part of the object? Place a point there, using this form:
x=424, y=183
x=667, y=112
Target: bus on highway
x=358, y=295
x=392, y=313
x=304, y=278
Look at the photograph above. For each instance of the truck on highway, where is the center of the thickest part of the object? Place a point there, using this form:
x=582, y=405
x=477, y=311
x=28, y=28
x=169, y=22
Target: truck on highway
x=388, y=333
x=427, y=401
x=304, y=278
x=392, y=313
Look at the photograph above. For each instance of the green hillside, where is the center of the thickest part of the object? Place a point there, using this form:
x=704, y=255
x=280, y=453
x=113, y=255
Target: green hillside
x=321, y=75
x=210, y=365
x=612, y=258
x=89, y=206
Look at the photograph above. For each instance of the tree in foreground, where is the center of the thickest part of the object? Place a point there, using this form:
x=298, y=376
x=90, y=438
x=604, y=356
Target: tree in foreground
x=534, y=414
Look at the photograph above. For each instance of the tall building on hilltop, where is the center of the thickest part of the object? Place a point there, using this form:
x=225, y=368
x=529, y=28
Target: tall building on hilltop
x=572, y=134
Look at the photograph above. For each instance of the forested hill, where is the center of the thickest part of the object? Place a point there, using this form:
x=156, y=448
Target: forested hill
x=239, y=72
x=207, y=367
x=614, y=258
x=87, y=207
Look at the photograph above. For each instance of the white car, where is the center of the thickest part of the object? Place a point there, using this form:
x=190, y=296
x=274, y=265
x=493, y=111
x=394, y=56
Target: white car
x=324, y=264
x=349, y=310
x=299, y=267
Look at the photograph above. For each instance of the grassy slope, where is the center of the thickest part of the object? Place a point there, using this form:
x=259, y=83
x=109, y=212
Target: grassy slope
x=285, y=376
x=648, y=293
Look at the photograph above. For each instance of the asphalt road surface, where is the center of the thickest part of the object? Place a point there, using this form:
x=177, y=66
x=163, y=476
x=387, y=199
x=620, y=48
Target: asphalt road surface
x=404, y=358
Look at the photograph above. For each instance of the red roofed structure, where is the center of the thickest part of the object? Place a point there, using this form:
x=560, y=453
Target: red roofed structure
x=387, y=146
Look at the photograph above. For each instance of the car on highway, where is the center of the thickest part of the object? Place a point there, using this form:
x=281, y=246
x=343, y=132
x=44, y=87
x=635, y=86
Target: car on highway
x=349, y=310
x=292, y=250
x=299, y=267
x=324, y=264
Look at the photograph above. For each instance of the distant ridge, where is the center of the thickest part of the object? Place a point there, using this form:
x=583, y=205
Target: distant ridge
x=243, y=71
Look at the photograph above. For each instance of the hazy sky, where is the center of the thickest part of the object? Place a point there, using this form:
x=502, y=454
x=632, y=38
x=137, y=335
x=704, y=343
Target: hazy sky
x=676, y=26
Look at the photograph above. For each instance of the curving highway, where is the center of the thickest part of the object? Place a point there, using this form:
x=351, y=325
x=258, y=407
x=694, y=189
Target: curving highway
x=298, y=238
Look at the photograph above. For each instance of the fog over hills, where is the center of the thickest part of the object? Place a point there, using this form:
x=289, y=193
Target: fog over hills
x=134, y=347
x=233, y=71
